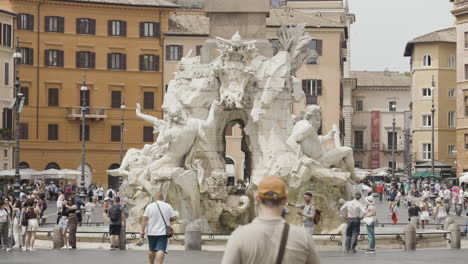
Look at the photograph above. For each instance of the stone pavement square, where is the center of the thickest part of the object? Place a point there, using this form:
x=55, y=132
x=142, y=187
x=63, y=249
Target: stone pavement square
x=206, y=257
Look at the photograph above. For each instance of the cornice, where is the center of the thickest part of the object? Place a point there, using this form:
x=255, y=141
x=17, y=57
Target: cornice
x=98, y=5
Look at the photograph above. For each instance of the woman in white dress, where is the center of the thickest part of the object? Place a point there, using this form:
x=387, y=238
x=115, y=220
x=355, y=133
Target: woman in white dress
x=425, y=215
x=439, y=212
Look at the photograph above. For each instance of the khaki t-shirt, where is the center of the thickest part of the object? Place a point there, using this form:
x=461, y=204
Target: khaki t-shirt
x=259, y=242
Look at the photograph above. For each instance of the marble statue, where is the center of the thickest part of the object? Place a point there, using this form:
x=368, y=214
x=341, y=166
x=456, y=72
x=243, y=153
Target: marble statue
x=187, y=161
x=308, y=144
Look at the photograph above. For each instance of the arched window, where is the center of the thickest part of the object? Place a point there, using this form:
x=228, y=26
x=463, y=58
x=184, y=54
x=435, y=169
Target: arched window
x=52, y=165
x=23, y=165
x=427, y=60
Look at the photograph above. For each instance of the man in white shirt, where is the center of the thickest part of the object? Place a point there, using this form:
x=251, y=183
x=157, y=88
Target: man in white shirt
x=157, y=216
x=356, y=212
x=89, y=209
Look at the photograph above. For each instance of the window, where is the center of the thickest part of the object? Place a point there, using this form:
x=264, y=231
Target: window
x=7, y=120
x=23, y=131
x=466, y=40
x=5, y=153
x=466, y=141
x=86, y=132
x=359, y=106
x=427, y=148
x=466, y=105
x=149, y=62
x=117, y=28
x=358, y=164
x=312, y=89
x=174, y=52
x=116, y=61
x=427, y=60
x=115, y=133
x=392, y=106
x=274, y=45
x=466, y=71
x=392, y=165
x=451, y=150
x=54, y=24
x=198, y=49
x=7, y=73
x=426, y=120
x=85, y=99
x=359, y=139
x=25, y=92
x=315, y=45
x=148, y=100
x=85, y=59
x=149, y=30
x=25, y=22
x=451, y=92
x=392, y=140
x=116, y=99
x=148, y=135
x=27, y=56
x=52, y=132
x=85, y=26
x=451, y=61
x=451, y=119
x=54, y=58
x=53, y=96
x=6, y=35
x=426, y=92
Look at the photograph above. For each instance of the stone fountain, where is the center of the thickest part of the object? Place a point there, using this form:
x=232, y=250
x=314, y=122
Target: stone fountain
x=243, y=83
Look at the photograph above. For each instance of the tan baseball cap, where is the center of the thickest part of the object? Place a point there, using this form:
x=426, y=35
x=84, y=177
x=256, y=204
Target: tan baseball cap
x=272, y=187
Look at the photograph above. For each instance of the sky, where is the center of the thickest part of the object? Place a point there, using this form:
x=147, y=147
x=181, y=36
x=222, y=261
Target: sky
x=383, y=27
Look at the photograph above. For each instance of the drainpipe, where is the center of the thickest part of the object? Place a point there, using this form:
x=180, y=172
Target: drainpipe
x=161, y=44
x=37, y=64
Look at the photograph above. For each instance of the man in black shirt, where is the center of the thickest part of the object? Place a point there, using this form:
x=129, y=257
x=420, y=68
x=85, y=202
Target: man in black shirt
x=413, y=214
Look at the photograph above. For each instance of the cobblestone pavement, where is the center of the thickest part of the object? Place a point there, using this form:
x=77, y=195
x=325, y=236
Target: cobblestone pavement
x=205, y=257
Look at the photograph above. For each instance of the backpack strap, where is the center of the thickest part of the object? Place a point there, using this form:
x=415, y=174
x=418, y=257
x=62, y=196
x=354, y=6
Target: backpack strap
x=161, y=214
x=284, y=239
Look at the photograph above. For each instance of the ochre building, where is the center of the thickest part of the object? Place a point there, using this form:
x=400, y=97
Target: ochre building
x=116, y=45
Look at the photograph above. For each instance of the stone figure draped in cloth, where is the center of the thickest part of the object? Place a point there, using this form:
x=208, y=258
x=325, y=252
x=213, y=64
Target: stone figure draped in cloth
x=173, y=148
x=308, y=144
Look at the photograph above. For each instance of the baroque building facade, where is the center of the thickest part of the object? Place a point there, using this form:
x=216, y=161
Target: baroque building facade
x=433, y=82
x=117, y=47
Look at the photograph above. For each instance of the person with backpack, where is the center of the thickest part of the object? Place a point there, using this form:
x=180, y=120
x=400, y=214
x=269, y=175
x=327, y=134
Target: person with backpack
x=308, y=213
x=117, y=217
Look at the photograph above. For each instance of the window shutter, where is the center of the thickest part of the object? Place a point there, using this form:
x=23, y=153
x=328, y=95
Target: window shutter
x=319, y=47
x=61, y=21
x=109, y=27
x=181, y=52
x=31, y=22
x=78, y=26
x=123, y=28
x=2, y=33
x=46, y=58
x=168, y=52
x=78, y=59
x=319, y=87
x=123, y=60
x=92, y=60
x=156, y=63
x=92, y=25
x=142, y=29
x=18, y=21
x=46, y=23
x=156, y=30
x=31, y=57
x=109, y=60
x=60, y=58
x=304, y=86
x=142, y=62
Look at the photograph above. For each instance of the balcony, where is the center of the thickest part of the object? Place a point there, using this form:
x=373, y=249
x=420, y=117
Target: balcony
x=388, y=149
x=6, y=134
x=360, y=148
x=96, y=113
x=311, y=99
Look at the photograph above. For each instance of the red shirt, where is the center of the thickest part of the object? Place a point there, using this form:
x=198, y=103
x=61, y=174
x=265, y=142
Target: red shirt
x=379, y=189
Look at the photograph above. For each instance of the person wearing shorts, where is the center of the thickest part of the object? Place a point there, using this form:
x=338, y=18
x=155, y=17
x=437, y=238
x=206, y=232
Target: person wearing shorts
x=157, y=215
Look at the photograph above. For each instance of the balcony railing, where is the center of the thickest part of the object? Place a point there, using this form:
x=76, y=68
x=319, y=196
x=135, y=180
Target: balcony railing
x=360, y=147
x=390, y=148
x=6, y=135
x=311, y=99
x=74, y=112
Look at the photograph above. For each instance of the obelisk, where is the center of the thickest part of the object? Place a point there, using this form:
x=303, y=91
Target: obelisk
x=229, y=16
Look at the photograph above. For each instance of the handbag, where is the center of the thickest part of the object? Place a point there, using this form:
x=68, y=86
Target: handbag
x=284, y=239
x=24, y=220
x=368, y=220
x=169, y=230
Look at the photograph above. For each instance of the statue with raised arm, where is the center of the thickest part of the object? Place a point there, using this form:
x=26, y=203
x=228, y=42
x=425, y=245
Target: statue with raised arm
x=307, y=144
x=176, y=140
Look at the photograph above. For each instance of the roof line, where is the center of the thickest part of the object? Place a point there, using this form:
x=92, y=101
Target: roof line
x=8, y=12
x=118, y=4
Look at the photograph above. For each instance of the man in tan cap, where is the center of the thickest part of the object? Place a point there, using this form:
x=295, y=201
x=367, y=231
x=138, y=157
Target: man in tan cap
x=269, y=239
